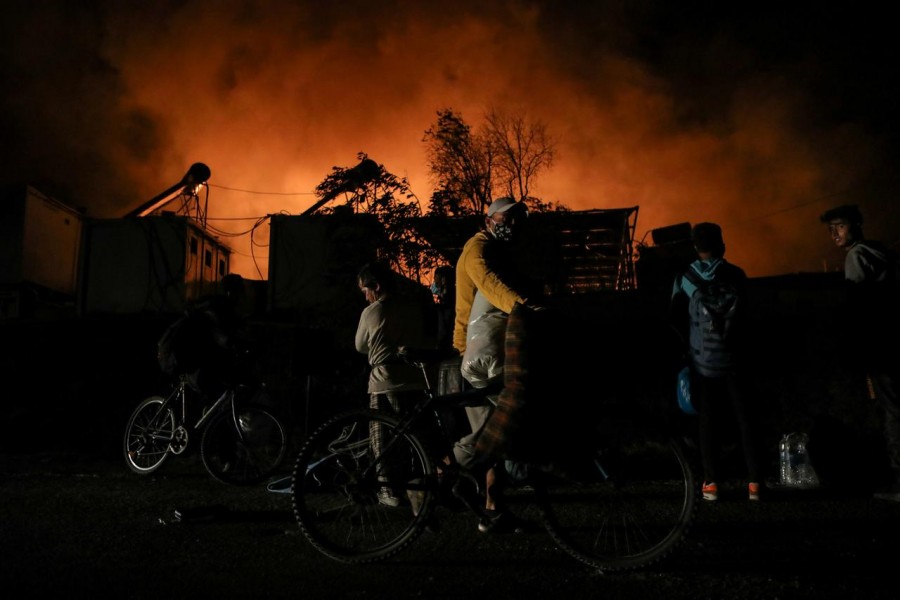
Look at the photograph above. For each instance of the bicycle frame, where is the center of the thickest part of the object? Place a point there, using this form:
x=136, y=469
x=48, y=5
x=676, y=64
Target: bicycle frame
x=432, y=401
x=240, y=442
x=616, y=500
x=179, y=395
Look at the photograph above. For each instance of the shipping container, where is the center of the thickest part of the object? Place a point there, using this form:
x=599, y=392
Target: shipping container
x=155, y=264
x=39, y=248
x=313, y=263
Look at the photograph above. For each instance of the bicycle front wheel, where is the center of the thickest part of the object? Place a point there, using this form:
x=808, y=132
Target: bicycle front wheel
x=245, y=448
x=150, y=430
x=623, y=506
x=362, y=488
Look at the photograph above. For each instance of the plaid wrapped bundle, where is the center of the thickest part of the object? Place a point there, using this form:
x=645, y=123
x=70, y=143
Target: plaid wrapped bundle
x=501, y=437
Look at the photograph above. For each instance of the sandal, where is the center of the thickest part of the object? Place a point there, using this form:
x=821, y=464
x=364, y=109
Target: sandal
x=497, y=521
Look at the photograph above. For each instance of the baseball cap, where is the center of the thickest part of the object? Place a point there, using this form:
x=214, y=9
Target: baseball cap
x=501, y=205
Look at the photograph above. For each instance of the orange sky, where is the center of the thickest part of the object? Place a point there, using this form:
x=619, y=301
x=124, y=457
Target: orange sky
x=272, y=95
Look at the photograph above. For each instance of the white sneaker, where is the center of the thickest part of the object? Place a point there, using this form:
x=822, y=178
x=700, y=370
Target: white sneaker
x=387, y=497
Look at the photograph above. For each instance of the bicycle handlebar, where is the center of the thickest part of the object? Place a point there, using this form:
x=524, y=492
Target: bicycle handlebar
x=420, y=356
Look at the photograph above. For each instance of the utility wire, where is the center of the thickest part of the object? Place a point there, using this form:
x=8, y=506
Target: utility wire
x=230, y=189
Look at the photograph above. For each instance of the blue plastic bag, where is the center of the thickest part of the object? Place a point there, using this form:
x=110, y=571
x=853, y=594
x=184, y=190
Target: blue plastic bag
x=683, y=392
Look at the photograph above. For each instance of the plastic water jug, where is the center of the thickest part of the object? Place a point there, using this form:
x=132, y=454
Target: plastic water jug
x=796, y=468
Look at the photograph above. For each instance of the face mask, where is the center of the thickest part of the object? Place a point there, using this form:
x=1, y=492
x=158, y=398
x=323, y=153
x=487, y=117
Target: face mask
x=502, y=232
x=436, y=290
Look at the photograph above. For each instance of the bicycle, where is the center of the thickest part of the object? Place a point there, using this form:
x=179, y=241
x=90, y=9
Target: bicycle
x=623, y=500
x=241, y=442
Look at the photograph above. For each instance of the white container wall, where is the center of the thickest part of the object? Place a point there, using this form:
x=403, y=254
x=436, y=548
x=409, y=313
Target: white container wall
x=153, y=264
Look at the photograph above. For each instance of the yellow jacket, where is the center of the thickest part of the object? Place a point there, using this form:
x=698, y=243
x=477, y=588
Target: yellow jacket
x=473, y=273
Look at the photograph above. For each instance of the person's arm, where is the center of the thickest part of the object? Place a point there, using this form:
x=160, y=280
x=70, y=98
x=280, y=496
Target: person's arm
x=488, y=282
x=461, y=322
x=464, y=293
x=869, y=263
x=856, y=267
x=677, y=288
x=362, y=333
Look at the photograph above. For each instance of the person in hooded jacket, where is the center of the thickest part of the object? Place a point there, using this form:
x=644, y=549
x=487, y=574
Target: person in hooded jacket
x=715, y=350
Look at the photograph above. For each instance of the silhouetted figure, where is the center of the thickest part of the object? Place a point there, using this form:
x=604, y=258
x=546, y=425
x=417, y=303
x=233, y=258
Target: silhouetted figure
x=486, y=292
x=443, y=287
x=873, y=273
x=204, y=342
x=716, y=307
x=390, y=321
x=221, y=359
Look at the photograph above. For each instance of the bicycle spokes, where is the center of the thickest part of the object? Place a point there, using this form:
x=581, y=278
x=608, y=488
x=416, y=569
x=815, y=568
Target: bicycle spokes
x=243, y=447
x=629, y=508
x=362, y=488
x=148, y=435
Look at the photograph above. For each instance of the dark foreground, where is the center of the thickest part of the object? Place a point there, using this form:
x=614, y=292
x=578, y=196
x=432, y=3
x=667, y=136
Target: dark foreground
x=81, y=527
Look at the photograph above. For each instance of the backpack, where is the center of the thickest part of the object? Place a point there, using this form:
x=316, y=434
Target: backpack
x=712, y=310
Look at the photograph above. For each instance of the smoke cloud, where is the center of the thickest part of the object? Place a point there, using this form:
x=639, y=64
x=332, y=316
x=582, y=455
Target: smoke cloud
x=756, y=121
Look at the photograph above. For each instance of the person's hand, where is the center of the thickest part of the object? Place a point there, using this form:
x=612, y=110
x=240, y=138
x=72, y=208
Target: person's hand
x=533, y=306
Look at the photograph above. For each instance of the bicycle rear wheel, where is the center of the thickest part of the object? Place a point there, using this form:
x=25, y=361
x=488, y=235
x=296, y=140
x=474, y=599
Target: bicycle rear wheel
x=621, y=507
x=150, y=430
x=243, y=451
x=337, y=480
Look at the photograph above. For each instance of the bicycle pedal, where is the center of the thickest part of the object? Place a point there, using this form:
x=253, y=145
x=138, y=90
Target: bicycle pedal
x=466, y=489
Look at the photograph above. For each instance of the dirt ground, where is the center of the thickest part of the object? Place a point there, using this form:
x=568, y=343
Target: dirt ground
x=75, y=521
x=85, y=526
